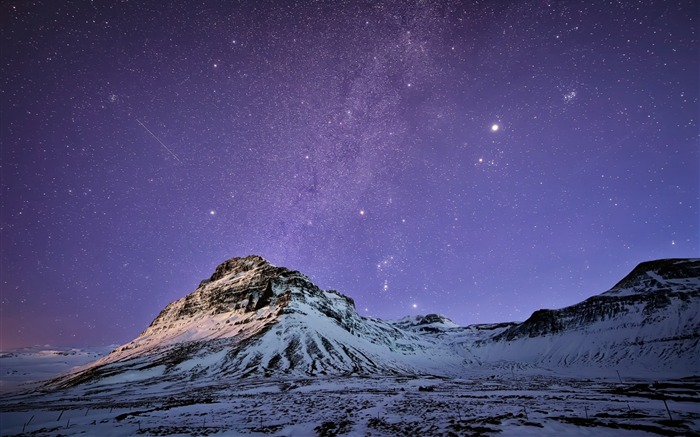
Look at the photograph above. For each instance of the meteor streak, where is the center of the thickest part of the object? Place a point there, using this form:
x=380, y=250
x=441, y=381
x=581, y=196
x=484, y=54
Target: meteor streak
x=158, y=139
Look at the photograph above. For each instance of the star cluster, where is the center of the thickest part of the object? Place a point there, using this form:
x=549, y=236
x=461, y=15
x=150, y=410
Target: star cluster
x=476, y=159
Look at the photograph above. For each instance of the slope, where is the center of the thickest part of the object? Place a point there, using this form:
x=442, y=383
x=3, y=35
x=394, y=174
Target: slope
x=648, y=322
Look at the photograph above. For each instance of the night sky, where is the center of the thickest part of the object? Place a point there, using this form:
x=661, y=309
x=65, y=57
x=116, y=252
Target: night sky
x=476, y=159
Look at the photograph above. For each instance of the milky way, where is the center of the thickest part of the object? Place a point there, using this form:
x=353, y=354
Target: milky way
x=476, y=160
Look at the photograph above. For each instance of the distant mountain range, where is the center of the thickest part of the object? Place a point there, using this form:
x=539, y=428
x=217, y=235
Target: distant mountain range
x=251, y=318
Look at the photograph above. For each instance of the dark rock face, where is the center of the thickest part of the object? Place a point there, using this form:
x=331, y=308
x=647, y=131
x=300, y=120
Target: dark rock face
x=660, y=275
x=653, y=285
x=235, y=266
x=252, y=291
x=433, y=318
x=543, y=322
x=250, y=284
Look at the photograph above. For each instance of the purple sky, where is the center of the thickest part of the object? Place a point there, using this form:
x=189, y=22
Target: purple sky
x=479, y=161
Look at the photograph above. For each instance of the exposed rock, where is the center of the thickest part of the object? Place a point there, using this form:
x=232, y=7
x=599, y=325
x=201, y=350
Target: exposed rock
x=651, y=287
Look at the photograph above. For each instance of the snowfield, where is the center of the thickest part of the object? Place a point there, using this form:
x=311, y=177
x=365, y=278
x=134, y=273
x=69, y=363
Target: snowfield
x=29, y=367
x=504, y=402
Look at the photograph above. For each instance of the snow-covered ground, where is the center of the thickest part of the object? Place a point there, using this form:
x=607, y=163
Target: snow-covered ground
x=22, y=368
x=507, y=402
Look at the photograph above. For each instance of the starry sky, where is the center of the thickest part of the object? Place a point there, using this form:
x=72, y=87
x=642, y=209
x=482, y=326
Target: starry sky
x=476, y=159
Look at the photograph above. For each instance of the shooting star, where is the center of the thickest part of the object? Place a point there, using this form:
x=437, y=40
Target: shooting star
x=158, y=139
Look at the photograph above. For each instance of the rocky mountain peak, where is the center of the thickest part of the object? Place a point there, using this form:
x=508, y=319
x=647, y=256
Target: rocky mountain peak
x=647, y=291
x=238, y=265
x=243, y=296
x=241, y=285
x=660, y=275
x=426, y=323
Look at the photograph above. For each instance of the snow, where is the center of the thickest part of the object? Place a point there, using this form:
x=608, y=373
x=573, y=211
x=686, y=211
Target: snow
x=133, y=376
x=23, y=367
x=256, y=352
x=496, y=403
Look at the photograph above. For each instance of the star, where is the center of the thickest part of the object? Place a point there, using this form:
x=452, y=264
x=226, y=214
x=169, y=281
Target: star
x=392, y=120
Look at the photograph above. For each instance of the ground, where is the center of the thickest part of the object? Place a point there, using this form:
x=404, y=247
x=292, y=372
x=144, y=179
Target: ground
x=498, y=404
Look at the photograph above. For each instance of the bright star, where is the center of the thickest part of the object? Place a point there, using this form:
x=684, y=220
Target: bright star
x=494, y=127
x=415, y=305
x=212, y=212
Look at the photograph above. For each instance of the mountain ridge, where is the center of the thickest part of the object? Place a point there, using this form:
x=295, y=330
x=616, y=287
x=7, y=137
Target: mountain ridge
x=252, y=318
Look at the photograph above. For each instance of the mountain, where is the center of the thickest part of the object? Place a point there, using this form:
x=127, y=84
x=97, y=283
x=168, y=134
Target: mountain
x=648, y=321
x=251, y=318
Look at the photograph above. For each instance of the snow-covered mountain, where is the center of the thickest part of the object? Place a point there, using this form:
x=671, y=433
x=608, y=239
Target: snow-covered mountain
x=252, y=318
x=648, y=322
